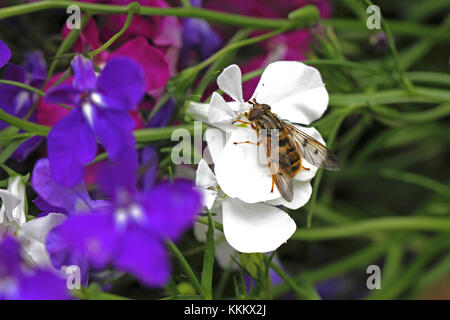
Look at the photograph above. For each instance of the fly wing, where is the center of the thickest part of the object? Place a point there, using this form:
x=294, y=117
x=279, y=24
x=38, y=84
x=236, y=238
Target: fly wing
x=282, y=180
x=312, y=150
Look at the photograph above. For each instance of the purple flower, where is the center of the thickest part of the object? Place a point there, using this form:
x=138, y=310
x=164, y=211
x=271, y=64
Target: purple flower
x=198, y=38
x=129, y=233
x=5, y=54
x=101, y=107
x=163, y=116
x=17, y=101
x=149, y=161
x=54, y=197
x=19, y=282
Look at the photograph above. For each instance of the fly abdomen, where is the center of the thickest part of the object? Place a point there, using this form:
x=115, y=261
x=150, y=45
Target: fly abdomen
x=290, y=161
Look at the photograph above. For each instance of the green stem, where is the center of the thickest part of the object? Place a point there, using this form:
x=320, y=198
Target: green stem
x=204, y=220
x=406, y=83
x=66, y=44
x=108, y=43
x=354, y=261
x=23, y=86
x=401, y=28
x=413, y=178
x=192, y=12
x=415, y=269
x=240, y=44
x=187, y=268
x=141, y=135
x=361, y=228
x=163, y=133
x=301, y=293
x=319, y=62
x=29, y=88
x=24, y=124
x=421, y=94
x=208, y=260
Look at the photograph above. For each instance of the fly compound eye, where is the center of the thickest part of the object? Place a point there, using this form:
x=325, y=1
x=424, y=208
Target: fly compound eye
x=266, y=107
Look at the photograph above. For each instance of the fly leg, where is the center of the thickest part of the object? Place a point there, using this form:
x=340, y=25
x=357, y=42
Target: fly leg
x=255, y=143
x=245, y=122
x=307, y=169
x=273, y=183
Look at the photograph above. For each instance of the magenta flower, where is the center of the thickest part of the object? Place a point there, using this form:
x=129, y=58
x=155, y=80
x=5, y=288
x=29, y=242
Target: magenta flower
x=100, y=112
x=88, y=40
x=155, y=66
x=162, y=31
x=19, y=282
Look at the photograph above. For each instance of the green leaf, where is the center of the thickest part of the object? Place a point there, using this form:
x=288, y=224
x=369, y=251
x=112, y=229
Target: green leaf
x=94, y=292
x=208, y=260
x=306, y=15
x=10, y=148
x=185, y=265
x=254, y=264
x=307, y=292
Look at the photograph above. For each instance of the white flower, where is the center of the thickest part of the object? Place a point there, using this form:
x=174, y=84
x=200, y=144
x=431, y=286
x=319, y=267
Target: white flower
x=32, y=234
x=248, y=227
x=295, y=92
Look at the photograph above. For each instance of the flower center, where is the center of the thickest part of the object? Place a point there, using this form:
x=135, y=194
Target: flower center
x=88, y=111
x=133, y=212
x=97, y=99
x=21, y=100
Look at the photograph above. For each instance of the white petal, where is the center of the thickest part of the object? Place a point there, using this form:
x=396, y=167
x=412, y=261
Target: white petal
x=302, y=194
x=32, y=235
x=220, y=114
x=204, y=176
x=255, y=227
x=239, y=107
x=208, y=197
x=206, y=182
x=241, y=169
x=17, y=187
x=9, y=202
x=216, y=140
x=198, y=111
x=294, y=91
x=230, y=82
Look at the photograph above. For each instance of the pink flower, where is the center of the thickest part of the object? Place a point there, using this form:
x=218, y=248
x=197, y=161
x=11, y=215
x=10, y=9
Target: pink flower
x=290, y=46
x=154, y=64
x=88, y=40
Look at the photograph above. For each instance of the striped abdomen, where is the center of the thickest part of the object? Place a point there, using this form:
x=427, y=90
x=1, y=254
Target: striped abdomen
x=289, y=158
